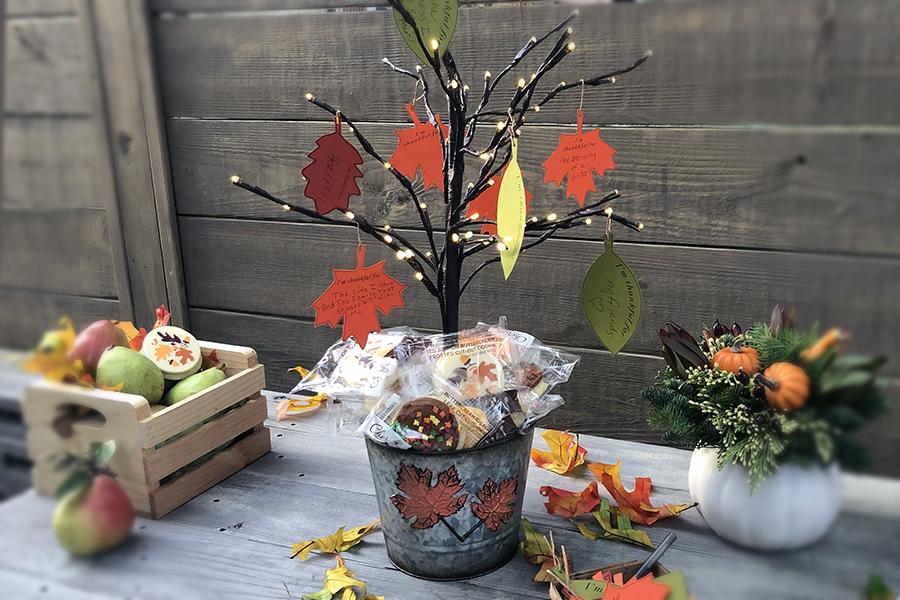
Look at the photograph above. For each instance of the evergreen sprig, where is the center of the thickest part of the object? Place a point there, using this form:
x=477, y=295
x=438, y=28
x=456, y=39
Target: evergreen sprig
x=705, y=406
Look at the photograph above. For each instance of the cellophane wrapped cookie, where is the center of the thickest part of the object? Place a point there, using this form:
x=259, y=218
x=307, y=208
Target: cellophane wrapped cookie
x=467, y=389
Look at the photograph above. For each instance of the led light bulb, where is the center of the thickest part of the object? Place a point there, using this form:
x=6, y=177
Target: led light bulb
x=387, y=238
x=551, y=217
x=235, y=179
x=468, y=235
x=309, y=97
x=285, y=207
x=474, y=216
x=487, y=74
x=501, y=125
x=588, y=221
x=491, y=181
x=401, y=255
x=434, y=44
x=387, y=165
x=422, y=205
x=570, y=46
x=521, y=82
x=419, y=276
x=608, y=212
x=501, y=246
x=454, y=238
x=349, y=215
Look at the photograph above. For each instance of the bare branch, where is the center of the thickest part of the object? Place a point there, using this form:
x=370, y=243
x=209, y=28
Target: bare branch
x=389, y=238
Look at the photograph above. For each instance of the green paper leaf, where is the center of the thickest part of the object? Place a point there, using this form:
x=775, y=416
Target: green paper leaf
x=676, y=584
x=511, y=207
x=621, y=530
x=611, y=298
x=435, y=20
x=588, y=589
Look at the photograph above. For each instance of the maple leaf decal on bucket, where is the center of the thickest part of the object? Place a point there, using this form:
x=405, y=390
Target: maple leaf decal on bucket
x=498, y=502
x=427, y=503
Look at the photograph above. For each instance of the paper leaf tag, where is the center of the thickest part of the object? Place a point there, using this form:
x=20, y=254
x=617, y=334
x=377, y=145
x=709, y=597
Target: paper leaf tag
x=576, y=158
x=611, y=298
x=332, y=173
x=435, y=20
x=355, y=295
x=511, y=208
x=485, y=204
x=419, y=147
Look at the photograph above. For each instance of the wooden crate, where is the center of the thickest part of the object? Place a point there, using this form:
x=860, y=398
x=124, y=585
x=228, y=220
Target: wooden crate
x=154, y=446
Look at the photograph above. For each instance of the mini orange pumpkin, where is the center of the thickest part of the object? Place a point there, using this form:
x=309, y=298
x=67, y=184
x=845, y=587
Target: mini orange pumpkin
x=787, y=386
x=737, y=357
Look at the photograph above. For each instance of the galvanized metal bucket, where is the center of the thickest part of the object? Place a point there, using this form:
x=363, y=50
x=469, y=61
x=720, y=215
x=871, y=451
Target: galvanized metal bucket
x=451, y=515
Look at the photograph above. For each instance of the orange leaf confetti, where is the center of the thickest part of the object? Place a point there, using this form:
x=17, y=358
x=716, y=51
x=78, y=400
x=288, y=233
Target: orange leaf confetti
x=564, y=455
x=636, y=589
x=355, y=295
x=636, y=503
x=576, y=158
x=571, y=504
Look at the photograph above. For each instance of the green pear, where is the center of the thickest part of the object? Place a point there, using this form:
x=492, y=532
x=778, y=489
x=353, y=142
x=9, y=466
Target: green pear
x=195, y=383
x=93, y=518
x=133, y=371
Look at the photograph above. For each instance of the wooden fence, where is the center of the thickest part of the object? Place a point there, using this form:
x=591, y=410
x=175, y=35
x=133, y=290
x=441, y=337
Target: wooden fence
x=759, y=145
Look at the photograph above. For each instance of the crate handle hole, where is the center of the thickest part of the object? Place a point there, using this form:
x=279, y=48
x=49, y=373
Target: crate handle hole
x=68, y=415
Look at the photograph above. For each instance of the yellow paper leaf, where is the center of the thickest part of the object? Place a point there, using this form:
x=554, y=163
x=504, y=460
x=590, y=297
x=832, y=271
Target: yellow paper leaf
x=300, y=371
x=565, y=454
x=511, y=211
x=340, y=580
x=51, y=356
x=297, y=406
x=336, y=542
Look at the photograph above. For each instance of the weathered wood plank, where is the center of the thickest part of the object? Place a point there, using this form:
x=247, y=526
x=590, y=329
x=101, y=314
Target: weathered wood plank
x=126, y=109
x=45, y=69
x=26, y=315
x=17, y=8
x=775, y=189
x=714, y=63
x=602, y=398
x=188, y=6
x=291, y=264
x=66, y=251
x=50, y=163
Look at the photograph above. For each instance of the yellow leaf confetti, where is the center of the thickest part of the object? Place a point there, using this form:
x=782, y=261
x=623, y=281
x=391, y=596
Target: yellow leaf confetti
x=334, y=543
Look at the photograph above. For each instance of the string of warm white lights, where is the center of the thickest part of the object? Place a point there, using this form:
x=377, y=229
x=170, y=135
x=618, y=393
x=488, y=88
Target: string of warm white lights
x=461, y=234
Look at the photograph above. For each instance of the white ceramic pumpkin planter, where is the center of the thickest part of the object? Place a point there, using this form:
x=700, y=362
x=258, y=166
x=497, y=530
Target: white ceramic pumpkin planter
x=794, y=507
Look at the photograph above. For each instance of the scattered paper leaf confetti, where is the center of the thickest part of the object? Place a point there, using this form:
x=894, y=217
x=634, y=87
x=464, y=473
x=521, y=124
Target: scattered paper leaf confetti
x=636, y=589
x=564, y=455
x=636, y=503
x=340, y=580
x=571, y=504
x=537, y=550
x=614, y=526
x=334, y=543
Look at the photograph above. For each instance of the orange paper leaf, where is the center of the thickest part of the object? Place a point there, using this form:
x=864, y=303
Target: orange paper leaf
x=485, y=204
x=564, y=455
x=576, y=158
x=636, y=589
x=163, y=316
x=571, y=504
x=636, y=503
x=355, y=295
x=419, y=147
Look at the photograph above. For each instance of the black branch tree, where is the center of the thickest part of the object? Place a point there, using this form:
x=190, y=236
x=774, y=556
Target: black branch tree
x=440, y=266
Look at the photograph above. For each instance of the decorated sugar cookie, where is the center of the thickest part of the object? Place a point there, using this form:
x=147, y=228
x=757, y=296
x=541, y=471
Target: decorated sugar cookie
x=473, y=374
x=174, y=351
x=433, y=421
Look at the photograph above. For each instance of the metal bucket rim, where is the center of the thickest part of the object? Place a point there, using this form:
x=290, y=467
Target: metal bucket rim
x=407, y=451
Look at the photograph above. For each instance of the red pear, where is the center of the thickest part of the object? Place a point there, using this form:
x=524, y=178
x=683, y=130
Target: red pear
x=94, y=340
x=93, y=518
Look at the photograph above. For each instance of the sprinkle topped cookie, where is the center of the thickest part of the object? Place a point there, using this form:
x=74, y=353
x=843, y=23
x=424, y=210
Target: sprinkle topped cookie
x=433, y=427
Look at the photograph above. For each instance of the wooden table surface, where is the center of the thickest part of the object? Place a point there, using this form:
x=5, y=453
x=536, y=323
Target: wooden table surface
x=234, y=540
